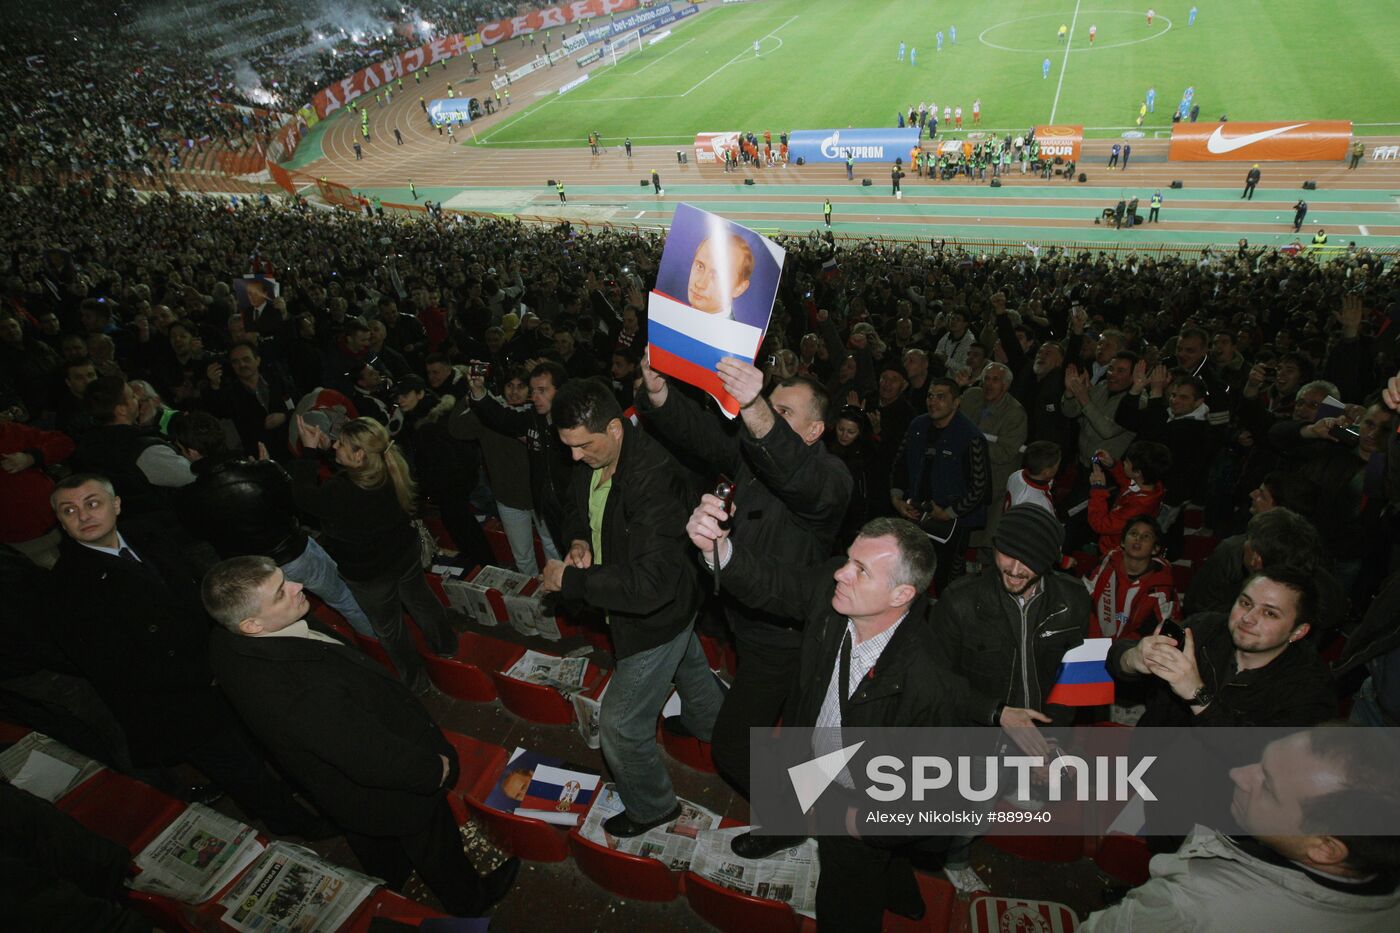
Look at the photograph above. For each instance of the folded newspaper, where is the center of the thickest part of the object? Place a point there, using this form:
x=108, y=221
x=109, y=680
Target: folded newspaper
x=563, y=674
x=291, y=888
x=789, y=876
x=587, y=713
x=46, y=767
x=196, y=856
x=672, y=844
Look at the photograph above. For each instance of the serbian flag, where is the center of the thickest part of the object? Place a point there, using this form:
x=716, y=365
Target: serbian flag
x=687, y=345
x=1084, y=679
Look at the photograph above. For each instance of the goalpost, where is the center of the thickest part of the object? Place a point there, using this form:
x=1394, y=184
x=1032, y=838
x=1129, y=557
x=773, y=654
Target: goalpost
x=622, y=48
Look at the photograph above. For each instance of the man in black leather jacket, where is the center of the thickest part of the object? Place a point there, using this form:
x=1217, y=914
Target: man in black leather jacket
x=243, y=506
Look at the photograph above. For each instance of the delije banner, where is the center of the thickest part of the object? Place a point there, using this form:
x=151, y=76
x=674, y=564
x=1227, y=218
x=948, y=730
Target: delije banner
x=709, y=147
x=1307, y=141
x=1060, y=140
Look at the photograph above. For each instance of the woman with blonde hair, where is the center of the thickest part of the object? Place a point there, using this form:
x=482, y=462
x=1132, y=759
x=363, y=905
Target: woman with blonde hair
x=365, y=509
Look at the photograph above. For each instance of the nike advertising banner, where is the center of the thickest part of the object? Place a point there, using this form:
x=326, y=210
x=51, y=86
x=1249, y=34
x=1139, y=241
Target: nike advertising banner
x=1307, y=141
x=864, y=145
x=1060, y=140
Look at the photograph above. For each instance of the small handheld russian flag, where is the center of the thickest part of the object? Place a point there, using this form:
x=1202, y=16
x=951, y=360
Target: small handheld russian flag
x=1084, y=679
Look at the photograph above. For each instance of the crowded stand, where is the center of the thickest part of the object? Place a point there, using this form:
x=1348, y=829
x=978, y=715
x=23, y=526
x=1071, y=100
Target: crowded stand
x=949, y=468
x=152, y=85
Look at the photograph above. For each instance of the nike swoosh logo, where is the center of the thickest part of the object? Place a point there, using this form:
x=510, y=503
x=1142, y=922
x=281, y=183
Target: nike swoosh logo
x=1219, y=145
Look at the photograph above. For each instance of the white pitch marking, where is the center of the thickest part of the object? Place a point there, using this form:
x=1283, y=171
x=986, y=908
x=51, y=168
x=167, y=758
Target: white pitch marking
x=1069, y=41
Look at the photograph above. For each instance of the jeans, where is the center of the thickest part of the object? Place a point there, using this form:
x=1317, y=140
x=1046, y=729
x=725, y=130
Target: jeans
x=627, y=722
x=381, y=599
x=316, y=570
x=520, y=525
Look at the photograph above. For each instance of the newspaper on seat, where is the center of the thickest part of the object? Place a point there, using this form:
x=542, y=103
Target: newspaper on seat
x=672, y=844
x=789, y=876
x=46, y=767
x=292, y=888
x=196, y=856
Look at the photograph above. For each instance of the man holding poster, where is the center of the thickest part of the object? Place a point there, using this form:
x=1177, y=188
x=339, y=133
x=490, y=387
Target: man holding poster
x=790, y=493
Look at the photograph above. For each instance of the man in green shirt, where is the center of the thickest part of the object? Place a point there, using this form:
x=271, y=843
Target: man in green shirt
x=625, y=521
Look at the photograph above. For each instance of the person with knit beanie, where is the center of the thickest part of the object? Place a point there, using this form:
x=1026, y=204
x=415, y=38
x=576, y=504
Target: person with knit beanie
x=1001, y=636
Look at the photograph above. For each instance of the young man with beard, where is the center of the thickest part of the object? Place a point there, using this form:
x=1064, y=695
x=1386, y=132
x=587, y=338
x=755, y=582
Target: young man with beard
x=1002, y=635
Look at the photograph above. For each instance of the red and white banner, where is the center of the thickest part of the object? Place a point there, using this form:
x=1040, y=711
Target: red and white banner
x=709, y=147
x=364, y=81
x=1060, y=140
x=1306, y=141
x=552, y=17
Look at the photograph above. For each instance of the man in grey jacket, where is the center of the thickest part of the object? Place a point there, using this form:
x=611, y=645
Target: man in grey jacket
x=1300, y=869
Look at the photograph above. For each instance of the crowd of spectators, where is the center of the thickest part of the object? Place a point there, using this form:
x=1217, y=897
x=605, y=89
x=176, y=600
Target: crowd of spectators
x=134, y=92
x=1041, y=416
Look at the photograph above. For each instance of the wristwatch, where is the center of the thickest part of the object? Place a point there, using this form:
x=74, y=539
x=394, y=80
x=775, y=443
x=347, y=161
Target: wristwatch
x=1203, y=697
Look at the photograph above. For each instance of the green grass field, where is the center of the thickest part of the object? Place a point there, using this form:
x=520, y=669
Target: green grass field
x=833, y=63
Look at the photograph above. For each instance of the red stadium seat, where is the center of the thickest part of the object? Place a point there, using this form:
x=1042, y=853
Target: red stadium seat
x=539, y=703
x=533, y=840
x=121, y=809
x=11, y=733
x=480, y=764
x=733, y=912
x=469, y=675
x=387, y=905
x=630, y=876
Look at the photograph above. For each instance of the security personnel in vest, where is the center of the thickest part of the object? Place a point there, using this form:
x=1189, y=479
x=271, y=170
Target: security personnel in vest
x=1156, y=207
x=1320, y=238
x=850, y=168
x=826, y=213
x=559, y=187
x=450, y=92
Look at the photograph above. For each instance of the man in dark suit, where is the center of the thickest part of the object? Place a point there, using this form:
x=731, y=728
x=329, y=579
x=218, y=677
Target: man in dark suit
x=348, y=731
x=867, y=634
x=129, y=618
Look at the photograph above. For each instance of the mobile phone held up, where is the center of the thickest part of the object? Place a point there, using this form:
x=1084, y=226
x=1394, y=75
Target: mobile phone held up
x=724, y=491
x=1174, y=631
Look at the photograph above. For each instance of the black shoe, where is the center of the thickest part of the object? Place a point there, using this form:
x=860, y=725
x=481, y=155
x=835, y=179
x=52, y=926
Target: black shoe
x=750, y=846
x=495, y=886
x=624, y=827
x=675, y=726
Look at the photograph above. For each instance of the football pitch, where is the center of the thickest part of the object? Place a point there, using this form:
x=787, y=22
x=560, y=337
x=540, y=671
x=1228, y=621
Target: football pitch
x=835, y=63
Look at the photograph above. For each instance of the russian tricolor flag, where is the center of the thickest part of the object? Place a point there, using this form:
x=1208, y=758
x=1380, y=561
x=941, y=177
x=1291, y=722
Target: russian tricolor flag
x=687, y=344
x=1084, y=678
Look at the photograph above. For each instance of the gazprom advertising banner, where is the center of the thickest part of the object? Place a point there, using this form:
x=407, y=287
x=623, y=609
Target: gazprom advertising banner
x=445, y=110
x=883, y=145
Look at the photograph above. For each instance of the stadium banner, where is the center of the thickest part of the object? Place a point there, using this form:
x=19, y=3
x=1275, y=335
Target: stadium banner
x=1307, y=141
x=328, y=100
x=666, y=19
x=1060, y=140
x=865, y=145
x=473, y=42
x=555, y=17
x=443, y=111
x=573, y=84
x=593, y=56
x=281, y=177
x=709, y=147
